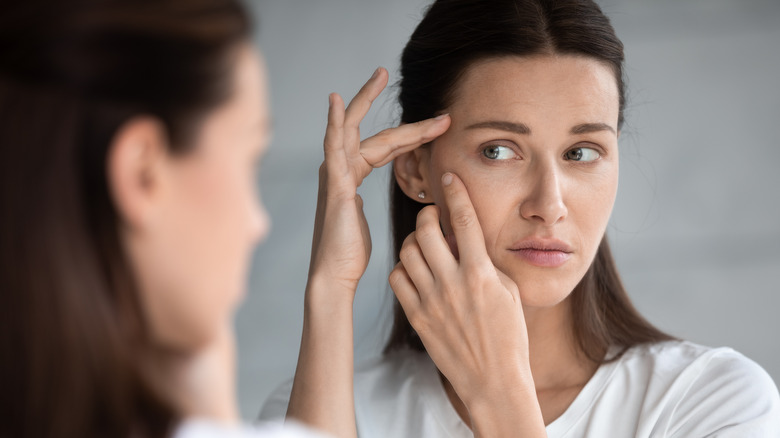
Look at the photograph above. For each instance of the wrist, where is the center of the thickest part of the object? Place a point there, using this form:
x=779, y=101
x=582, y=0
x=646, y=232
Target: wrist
x=326, y=296
x=505, y=406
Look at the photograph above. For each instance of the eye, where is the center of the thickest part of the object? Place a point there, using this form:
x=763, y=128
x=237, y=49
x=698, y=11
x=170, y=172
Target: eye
x=581, y=154
x=498, y=152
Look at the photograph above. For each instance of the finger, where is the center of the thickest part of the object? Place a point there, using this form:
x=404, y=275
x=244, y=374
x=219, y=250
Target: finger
x=361, y=103
x=335, y=167
x=404, y=289
x=432, y=244
x=416, y=266
x=385, y=146
x=334, y=133
x=464, y=222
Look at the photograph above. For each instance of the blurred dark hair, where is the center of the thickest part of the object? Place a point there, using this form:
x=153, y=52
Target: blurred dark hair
x=452, y=36
x=72, y=333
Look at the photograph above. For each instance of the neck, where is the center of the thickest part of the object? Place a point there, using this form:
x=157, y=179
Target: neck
x=196, y=384
x=555, y=358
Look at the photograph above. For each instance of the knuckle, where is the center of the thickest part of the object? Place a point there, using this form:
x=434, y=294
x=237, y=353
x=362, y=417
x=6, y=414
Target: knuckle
x=408, y=250
x=427, y=230
x=416, y=320
x=427, y=214
x=396, y=278
x=463, y=219
x=477, y=276
x=384, y=134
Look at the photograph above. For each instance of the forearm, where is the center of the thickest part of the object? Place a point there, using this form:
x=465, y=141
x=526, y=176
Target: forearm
x=322, y=394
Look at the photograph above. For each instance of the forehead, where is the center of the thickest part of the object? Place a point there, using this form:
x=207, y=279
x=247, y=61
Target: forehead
x=538, y=87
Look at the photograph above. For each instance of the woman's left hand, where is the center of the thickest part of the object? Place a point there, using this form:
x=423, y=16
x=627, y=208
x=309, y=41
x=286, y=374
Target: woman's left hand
x=469, y=316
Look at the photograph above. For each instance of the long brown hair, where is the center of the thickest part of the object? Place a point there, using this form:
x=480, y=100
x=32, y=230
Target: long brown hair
x=72, y=333
x=450, y=38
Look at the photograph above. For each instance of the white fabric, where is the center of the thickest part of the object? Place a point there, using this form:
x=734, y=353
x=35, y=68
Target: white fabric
x=201, y=428
x=669, y=389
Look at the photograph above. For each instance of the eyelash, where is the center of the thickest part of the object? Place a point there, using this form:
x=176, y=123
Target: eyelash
x=487, y=147
x=598, y=152
x=592, y=147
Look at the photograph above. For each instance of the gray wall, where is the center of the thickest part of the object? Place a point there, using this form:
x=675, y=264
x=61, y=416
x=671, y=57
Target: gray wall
x=696, y=227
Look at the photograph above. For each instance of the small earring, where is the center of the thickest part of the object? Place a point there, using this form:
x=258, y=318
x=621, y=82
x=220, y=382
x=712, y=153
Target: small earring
x=421, y=195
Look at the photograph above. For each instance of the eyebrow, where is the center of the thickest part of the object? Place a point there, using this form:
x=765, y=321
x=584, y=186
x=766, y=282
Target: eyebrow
x=517, y=128
x=523, y=129
x=586, y=128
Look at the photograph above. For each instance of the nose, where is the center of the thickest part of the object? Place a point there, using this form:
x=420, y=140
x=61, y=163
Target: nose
x=544, y=202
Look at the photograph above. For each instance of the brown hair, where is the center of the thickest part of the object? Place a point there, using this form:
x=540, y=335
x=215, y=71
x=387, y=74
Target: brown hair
x=72, y=333
x=450, y=38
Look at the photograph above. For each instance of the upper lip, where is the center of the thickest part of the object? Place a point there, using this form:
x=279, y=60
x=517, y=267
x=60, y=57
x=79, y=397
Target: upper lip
x=541, y=244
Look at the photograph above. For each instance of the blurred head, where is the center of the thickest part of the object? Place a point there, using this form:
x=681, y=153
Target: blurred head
x=189, y=221
x=129, y=133
x=536, y=95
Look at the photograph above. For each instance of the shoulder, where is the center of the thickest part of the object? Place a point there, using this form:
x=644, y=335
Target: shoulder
x=200, y=428
x=698, y=365
x=698, y=390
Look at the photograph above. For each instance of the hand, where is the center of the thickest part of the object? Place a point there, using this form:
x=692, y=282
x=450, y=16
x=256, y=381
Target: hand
x=342, y=245
x=467, y=313
x=322, y=395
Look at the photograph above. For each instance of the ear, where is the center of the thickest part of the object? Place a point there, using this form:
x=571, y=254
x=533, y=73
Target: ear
x=411, y=172
x=136, y=166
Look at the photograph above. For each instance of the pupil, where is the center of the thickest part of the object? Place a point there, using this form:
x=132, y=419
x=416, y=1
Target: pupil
x=491, y=152
x=575, y=154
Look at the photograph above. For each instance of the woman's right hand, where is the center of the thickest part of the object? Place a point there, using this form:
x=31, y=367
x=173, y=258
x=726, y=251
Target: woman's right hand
x=342, y=245
x=469, y=316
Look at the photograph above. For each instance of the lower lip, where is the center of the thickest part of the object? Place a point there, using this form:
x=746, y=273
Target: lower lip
x=543, y=259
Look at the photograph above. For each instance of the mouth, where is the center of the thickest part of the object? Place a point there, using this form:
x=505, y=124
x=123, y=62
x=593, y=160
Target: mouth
x=543, y=253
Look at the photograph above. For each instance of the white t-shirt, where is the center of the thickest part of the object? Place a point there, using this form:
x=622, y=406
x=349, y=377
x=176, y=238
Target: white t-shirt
x=669, y=389
x=202, y=428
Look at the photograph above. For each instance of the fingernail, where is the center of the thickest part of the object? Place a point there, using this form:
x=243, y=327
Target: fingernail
x=441, y=116
x=446, y=179
x=376, y=73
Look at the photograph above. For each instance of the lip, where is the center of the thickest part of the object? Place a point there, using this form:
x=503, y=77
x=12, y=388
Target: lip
x=544, y=253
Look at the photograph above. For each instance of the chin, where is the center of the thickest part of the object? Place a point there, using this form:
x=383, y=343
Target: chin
x=544, y=289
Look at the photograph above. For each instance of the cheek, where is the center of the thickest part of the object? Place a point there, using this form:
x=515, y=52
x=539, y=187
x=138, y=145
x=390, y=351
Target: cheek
x=591, y=206
x=490, y=196
x=204, y=250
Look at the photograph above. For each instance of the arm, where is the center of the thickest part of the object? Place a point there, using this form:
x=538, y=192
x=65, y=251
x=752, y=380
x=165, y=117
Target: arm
x=463, y=309
x=322, y=394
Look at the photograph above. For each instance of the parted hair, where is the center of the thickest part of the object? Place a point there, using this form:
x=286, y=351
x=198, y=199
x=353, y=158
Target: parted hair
x=72, y=333
x=451, y=37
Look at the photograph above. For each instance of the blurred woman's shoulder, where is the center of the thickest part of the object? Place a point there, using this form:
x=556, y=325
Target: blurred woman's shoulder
x=202, y=428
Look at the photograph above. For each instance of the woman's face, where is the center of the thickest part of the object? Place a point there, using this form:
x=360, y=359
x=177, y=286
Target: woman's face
x=535, y=141
x=195, y=259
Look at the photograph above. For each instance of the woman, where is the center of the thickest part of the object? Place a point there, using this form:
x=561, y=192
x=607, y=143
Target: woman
x=512, y=320
x=129, y=134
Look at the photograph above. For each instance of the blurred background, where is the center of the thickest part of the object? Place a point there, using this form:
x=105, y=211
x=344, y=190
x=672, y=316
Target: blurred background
x=696, y=227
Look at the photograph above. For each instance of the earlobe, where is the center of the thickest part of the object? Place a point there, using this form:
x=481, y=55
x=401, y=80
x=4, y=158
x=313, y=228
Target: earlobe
x=411, y=173
x=135, y=167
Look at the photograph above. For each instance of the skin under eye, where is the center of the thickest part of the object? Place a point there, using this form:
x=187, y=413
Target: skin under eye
x=582, y=154
x=498, y=152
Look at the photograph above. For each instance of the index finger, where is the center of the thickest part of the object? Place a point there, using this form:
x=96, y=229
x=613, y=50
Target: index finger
x=464, y=222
